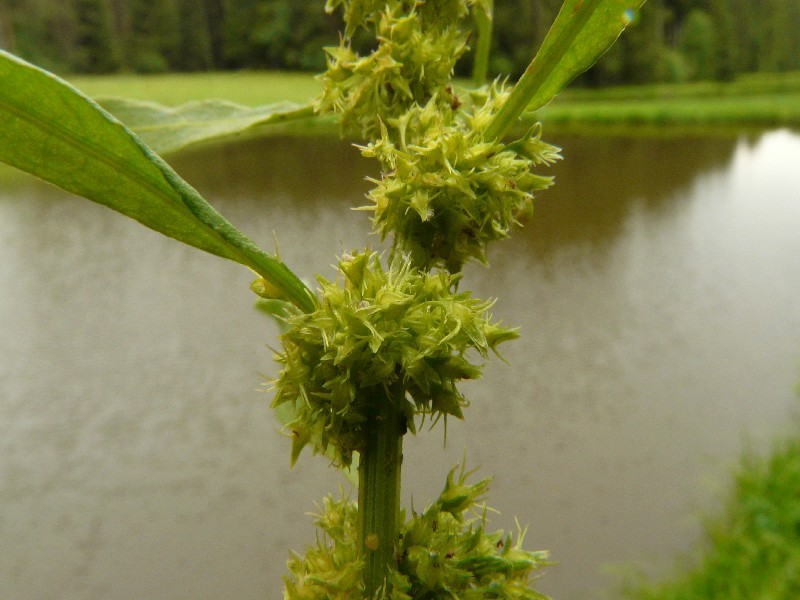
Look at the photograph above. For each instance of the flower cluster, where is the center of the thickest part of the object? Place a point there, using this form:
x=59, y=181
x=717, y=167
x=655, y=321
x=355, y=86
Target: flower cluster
x=385, y=345
x=375, y=328
x=419, y=44
x=331, y=570
x=446, y=192
x=443, y=553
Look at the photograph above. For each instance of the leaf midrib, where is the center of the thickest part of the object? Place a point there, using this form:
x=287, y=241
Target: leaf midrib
x=121, y=167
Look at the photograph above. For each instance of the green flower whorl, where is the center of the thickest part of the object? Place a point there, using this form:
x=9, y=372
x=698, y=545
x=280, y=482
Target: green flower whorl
x=373, y=329
x=419, y=45
x=444, y=552
x=446, y=192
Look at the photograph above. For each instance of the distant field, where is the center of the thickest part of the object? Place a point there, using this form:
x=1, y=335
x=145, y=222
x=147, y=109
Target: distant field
x=758, y=100
x=249, y=88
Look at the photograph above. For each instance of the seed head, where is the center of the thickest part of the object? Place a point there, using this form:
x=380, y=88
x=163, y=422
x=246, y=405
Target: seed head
x=374, y=328
x=446, y=192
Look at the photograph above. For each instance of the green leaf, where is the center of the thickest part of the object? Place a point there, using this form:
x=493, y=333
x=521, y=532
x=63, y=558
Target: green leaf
x=581, y=33
x=166, y=129
x=51, y=130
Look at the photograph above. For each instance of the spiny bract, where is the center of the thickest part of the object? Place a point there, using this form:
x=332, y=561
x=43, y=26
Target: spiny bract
x=374, y=328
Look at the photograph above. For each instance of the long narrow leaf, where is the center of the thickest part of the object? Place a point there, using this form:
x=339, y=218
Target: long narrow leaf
x=51, y=130
x=168, y=129
x=581, y=33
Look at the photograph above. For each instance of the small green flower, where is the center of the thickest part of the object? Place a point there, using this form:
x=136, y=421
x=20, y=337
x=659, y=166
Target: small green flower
x=375, y=328
x=446, y=192
x=419, y=45
x=443, y=553
x=447, y=553
x=332, y=569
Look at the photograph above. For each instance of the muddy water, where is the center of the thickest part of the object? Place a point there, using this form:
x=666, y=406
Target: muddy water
x=657, y=294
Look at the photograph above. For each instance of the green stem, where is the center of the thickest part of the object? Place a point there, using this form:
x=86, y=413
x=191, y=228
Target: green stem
x=379, y=488
x=483, y=23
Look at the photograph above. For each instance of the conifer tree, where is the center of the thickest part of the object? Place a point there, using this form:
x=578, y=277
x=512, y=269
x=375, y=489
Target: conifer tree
x=194, y=39
x=97, y=51
x=699, y=44
x=152, y=43
x=215, y=12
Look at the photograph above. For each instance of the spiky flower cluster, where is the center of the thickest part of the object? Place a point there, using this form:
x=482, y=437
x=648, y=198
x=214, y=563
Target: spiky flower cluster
x=375, y=328
x=419, y=43
x=443, y=553
x=386, y=345
x=331, y=570
x=447, y=192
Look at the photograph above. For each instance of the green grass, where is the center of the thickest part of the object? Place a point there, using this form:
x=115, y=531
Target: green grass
x=772, y=110
x=751, y=101
x=759, y=100
x=248, y=88
x=752, y=552
x=743, y=86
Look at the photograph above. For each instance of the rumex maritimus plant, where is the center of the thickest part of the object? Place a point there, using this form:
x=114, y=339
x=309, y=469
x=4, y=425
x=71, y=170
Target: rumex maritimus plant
x=369, y=354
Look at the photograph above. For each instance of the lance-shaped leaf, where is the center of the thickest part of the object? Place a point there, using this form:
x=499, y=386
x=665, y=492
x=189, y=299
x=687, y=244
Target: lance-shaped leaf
x=51, y=130
x=581, y=33
x=168, y=129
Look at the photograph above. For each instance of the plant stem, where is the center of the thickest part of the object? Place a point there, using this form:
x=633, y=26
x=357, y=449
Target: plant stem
x=379, y=487
x=483, y=23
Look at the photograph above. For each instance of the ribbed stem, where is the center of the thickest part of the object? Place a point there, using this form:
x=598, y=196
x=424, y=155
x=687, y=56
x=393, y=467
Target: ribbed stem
x=483, y=24
x=379, y=488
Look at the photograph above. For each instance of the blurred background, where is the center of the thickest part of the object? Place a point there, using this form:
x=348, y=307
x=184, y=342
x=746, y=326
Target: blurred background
x=675, y=40
x=656, y=291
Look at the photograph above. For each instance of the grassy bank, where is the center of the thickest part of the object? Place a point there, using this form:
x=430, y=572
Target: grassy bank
x=760, y=100
x=248, y=88
x=753, y=550
x=752, y=101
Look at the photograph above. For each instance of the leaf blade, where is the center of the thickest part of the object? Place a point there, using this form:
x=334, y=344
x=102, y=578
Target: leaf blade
x=49, y=129
x=168, y=129
x=581, y=33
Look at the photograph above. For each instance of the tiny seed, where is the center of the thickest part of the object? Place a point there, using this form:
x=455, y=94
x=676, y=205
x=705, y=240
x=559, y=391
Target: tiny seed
x=371, y=541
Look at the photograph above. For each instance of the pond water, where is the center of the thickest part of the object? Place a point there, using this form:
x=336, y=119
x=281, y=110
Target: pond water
x=657, y=292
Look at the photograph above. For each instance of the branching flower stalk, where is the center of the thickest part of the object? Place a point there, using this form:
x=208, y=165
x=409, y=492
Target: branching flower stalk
x=384, y=346
x=387, y=345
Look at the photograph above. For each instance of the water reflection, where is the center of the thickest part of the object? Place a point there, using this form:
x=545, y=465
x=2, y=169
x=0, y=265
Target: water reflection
x=602, y=181
x=308, y=171
x=656, y=292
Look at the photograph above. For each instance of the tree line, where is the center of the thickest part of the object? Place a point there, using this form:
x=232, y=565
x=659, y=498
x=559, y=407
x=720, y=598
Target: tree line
x=672, y=40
